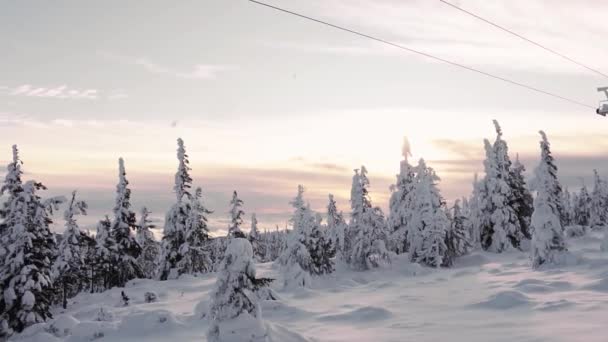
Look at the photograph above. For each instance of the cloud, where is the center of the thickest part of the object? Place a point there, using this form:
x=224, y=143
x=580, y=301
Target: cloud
x=117, y=95
x=319, y=165
x=460, y=148
x=457, y=166
x=28, y=120
x=330, y=167
x=200, y=71
x=58, y=92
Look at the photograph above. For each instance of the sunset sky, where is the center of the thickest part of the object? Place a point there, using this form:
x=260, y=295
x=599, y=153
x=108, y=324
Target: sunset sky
x=265, y=101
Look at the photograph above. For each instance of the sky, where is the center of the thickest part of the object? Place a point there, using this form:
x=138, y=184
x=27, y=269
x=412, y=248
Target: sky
x=266, y=101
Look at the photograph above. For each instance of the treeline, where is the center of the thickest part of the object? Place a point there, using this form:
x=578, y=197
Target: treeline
x=37, y=270
x=500, y=215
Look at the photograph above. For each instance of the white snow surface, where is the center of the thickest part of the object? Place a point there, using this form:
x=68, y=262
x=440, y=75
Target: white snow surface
x=484, y=297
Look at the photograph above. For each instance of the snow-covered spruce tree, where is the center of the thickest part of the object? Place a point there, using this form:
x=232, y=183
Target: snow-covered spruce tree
x=429, y=224
x=257, y=243
x=195, y=254
x=175, y=219
x=400, y=203
x=553, y=182
x=236, y=216
x=320, y=249
x=25, y=277
x=123, y=226
x=367, y=227
x=582, y=207
x=150, y=249
x=477, y=212
x=510, y=214
x=89, y=250
x=235, y=314
x=547, y=239
x=522, y=200
x=69, y=269
x=11, y=187
x=500, y=229
x=295, y=261
x=102, y=269
x=568, y=207
x=457, y=240
x=301, y=215
x=599, y=203
x=336, y=229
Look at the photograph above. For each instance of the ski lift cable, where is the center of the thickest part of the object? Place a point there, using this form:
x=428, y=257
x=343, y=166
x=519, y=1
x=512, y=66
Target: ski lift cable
x=524, y=38
x=421, y=53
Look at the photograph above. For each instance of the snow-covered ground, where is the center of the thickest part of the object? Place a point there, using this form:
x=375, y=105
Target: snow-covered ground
x=485, y=297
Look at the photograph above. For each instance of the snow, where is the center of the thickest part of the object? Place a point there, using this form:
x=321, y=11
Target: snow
x=485, y=296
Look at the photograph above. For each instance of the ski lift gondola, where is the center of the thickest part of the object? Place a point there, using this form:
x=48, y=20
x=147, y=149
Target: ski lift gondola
x=602, y=109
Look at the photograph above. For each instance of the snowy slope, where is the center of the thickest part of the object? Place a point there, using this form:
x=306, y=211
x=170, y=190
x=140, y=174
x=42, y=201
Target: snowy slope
x=485, y=297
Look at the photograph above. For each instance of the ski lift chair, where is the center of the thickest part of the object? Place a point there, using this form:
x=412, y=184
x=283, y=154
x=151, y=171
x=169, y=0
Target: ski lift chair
x=603, y=108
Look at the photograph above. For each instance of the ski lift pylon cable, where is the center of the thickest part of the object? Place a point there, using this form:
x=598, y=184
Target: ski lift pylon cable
x=421, y=53
x=523, y=38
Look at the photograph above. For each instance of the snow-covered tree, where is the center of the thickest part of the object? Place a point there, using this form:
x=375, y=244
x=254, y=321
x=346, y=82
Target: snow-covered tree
x=234, y=313
x=369, y=241
x=11, y=187
x=300, y=213
x=320, y=249
x=367, y=227
x=522, y=200
x=254, y=237
x=150, y=249
x=336, y=229
x=295, y=261
x=599, y=203
x=183, y=181
x=554, y=185
x=400, y=204
x=477, y=212
x=123, y=226
x=582, y=207
x=568, y=207
x=194, y=252
x=429, y=225
x=548, y=239
x=457, y=239
x=236, y=216
x=501, y=229
x=26, y=274
x=69, y=270
x=175, y=219
x=103, y=260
